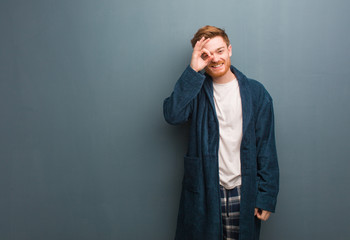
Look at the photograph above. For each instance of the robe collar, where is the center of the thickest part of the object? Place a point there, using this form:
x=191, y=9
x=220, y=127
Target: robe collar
x=244, y=92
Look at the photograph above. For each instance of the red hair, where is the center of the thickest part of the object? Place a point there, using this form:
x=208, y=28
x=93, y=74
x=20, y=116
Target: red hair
x=209, y=32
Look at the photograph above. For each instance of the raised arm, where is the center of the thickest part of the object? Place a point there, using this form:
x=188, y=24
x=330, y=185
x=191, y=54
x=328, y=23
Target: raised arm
x=178, y=107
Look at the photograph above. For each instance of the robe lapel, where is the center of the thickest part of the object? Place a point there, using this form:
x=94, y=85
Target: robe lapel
x=208, y=88
x=245, y=99
x=244, y=91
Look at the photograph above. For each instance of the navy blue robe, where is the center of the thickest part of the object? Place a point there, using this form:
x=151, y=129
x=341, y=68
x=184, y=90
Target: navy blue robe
x=199, y=215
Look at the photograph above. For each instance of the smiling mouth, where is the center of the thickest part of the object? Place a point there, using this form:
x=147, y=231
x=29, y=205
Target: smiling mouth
x=217, y=65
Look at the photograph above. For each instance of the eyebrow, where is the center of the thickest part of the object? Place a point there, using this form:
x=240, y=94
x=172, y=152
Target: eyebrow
x=217, y=49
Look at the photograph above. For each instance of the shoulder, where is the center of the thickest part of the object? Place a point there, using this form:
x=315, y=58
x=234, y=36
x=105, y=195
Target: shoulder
x=258, y=90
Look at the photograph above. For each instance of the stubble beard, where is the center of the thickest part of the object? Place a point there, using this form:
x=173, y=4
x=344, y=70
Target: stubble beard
x=227, y=65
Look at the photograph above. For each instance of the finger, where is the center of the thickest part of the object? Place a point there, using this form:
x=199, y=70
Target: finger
x=264, y=215
x=204, y=50
x=258, y=213
x=206, y=58
x=209, y=59
x=255, y=211
x=206, y=40
x=202, y=42
x=198, y=44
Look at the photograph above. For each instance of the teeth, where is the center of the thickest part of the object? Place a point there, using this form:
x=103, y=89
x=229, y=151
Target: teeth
x=217, y=65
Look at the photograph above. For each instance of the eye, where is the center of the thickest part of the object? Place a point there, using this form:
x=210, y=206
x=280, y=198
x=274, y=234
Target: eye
x=204, y=56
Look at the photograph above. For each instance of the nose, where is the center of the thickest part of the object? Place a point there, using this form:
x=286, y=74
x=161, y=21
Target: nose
x=215, y=58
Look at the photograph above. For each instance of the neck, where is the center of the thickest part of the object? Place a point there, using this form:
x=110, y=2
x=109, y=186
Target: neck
x=227, y=77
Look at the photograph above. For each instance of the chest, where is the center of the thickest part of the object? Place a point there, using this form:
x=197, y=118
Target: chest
x=228, y=104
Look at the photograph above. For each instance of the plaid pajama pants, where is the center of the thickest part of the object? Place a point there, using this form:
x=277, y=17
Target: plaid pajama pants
x=230, y=205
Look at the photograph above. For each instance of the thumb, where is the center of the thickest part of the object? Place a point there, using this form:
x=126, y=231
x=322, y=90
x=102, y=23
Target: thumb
x=208, y=59
x=256, y=211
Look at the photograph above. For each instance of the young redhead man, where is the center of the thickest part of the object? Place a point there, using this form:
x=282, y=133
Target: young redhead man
x=231, y=175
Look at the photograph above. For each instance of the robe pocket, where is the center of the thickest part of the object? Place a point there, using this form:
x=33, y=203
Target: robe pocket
x=191, y=174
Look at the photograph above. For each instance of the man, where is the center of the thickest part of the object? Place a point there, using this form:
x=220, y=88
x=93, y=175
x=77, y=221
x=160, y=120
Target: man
x=231, y=174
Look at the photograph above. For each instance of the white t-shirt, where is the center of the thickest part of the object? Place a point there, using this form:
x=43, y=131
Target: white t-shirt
x=228, y=106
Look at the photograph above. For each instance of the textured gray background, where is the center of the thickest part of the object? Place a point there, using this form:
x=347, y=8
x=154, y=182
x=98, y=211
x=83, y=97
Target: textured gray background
x=84, y=150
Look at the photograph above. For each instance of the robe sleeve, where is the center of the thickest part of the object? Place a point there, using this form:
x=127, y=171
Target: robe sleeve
x=267, y=165
x=178, y=107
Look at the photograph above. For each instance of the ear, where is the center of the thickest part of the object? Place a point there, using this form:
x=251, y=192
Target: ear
x=229, y=50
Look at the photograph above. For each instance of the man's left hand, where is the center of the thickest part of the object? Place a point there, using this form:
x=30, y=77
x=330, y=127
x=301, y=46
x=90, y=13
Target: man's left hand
x=262, y=214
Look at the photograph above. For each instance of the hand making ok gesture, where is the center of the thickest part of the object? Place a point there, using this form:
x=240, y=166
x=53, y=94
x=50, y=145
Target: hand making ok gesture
x=200, y=56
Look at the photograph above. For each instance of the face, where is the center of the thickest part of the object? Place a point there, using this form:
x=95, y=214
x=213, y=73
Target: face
x=221, y=62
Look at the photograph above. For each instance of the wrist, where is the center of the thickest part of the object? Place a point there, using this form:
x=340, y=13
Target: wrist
x=194, y=68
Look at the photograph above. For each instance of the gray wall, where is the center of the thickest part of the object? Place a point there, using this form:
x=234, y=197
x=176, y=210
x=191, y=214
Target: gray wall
x=84, y=150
